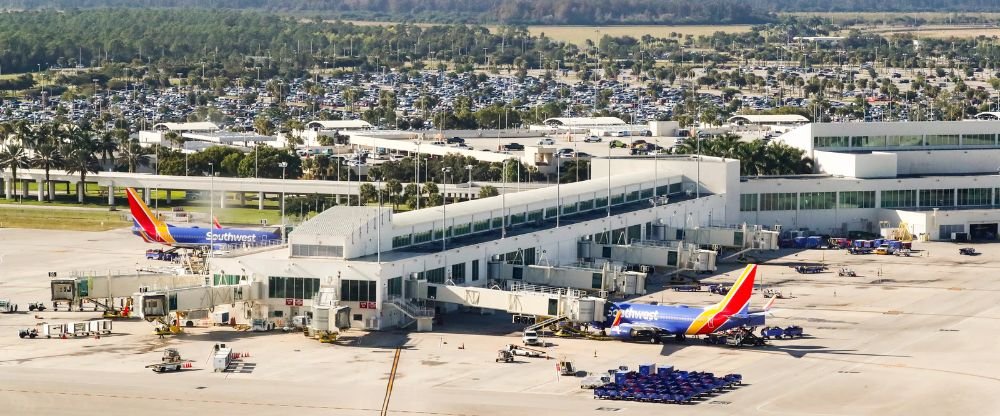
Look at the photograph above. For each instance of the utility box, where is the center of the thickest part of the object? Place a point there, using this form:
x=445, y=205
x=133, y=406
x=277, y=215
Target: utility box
x=221, y=359
x=220, y=318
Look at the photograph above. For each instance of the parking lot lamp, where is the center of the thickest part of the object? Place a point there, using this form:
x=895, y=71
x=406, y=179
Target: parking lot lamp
x=444, y=208
x=284, y=165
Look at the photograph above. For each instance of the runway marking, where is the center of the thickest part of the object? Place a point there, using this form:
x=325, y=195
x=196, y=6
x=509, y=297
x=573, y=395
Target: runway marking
x=388, y=386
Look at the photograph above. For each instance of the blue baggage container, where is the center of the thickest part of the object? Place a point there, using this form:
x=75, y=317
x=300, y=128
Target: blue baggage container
x=647, y=369
x=799, y=242
x=620, y=378
x=664, y=371
x=813, y=241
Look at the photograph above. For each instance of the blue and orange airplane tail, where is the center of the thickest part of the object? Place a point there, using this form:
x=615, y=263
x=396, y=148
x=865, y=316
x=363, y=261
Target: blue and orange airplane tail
x=153, y=228
x=736, y=302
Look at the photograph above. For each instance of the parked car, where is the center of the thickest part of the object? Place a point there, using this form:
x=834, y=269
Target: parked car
x=617, y=143
x=453, y=140
x=530, y=338
x=546, y=141
x=592, y=139
x=513, y=146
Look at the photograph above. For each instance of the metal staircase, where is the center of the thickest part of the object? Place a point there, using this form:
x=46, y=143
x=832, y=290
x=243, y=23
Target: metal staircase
x=411, y=310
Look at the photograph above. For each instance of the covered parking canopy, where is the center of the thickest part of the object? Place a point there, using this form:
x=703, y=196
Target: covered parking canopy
x=744, y=119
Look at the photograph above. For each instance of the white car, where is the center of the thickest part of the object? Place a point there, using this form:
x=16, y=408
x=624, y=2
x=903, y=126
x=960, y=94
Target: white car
x=530, y=338
x=546, y=142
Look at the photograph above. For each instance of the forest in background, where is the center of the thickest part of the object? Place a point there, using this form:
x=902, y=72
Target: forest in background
x=561, y=12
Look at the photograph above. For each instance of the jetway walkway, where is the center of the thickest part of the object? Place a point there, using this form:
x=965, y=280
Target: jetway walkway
x=103, y=290
x=521, y=299
x=156, y=305
x=655, y=253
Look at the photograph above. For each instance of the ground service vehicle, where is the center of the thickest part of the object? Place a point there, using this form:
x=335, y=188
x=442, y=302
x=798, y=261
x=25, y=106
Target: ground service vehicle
x=530, y=338
x=846, y=272
x=967, y=251
x=505, y=356
x=171, y=361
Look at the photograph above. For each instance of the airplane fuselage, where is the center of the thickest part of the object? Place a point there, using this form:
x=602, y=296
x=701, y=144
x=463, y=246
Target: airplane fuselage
x=640, y=321
x=197, y=236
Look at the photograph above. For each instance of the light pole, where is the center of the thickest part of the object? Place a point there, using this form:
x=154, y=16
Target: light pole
x=444, y=209
x=416, y=172
x=469, y=168
x=211, y=204
x=558, y=194
x=283, y=165
x=503, y=200
x=378, y=225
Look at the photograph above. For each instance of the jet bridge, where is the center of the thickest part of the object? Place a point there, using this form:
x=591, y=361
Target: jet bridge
x=103, y=290
x=156, y=305
x=522, y=299
x=655, y=253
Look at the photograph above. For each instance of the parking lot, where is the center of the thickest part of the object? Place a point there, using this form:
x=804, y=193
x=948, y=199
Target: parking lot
x=903, y=337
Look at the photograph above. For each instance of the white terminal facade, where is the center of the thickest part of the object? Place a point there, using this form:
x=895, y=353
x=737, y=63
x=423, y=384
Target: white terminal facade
x=938, y=177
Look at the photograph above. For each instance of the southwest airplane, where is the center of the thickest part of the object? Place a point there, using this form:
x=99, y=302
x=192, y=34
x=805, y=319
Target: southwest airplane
x=640, y=322
x=152, y=230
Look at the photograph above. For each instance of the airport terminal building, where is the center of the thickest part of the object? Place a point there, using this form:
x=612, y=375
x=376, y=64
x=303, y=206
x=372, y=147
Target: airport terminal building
x=940, y=178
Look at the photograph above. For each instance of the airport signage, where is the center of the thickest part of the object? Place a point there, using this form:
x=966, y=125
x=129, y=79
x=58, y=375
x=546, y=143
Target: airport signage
x=298, y=302
x=363, y=305
x=289, y=301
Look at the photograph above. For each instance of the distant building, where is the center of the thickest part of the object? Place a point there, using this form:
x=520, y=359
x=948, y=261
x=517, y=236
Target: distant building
x=330, y=128
x=159, y=132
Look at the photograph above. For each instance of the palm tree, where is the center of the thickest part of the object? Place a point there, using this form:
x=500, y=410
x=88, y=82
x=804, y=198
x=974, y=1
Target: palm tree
x=45, y=142
x=132, y=154
x=79, y=157
x=13, y=156
x=107, y=144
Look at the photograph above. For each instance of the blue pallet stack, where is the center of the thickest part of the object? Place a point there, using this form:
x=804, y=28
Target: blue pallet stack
x=664, y=384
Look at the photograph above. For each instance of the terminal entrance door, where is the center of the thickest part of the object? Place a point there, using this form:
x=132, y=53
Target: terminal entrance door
x=983, y=231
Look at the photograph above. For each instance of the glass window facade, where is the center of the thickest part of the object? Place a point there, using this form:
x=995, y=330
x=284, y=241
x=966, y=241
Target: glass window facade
x=435, y=275
x=748, y=202
x=422, y=237
x=395, y=286
x=458, y=273
x=292, y=287
x=905, y=198
x=226, y=279
x=950, y=140
x=402, y=241
x=475, y=270
x=868, y=141
x=832, y=141
x=817, y=200
x=937, y=197
x=905, y=141
x=357, y=290
x=781, y=201
x=978, y=139
x=857, y=199
x=975, y=196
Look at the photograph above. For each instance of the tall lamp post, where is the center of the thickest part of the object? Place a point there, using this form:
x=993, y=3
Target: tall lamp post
x=503, y=200
x=283, y=165
x=558, y=191
x=211, y=213
x=469, y=168
x=444, y=209
x=378, y=225
x=416, y=172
